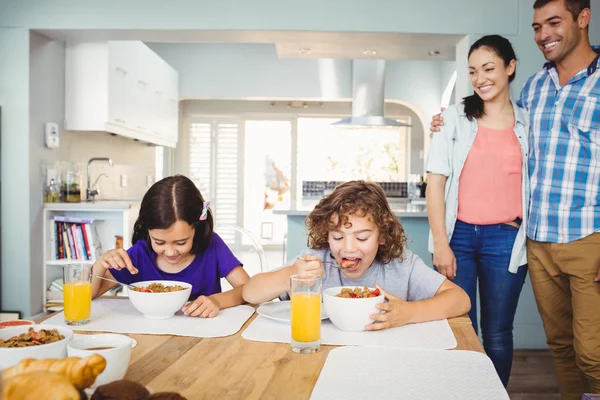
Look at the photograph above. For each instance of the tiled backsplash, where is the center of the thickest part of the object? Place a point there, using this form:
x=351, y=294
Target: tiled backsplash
x=319, y=188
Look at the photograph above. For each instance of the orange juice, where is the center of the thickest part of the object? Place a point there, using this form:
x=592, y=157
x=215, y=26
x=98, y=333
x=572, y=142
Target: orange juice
x=78, y=300
x=306, y=316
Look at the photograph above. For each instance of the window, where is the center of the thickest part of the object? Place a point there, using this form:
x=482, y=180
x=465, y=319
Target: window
x=328, y=153
x=214, y=166
x=267, y=177
x=245, y=168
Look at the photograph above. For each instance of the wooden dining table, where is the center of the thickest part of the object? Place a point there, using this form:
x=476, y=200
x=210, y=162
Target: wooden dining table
x=235, y=368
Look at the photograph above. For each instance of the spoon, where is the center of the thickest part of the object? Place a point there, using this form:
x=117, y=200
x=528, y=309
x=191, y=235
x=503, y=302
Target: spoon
x=332, y=263
x=124, y=284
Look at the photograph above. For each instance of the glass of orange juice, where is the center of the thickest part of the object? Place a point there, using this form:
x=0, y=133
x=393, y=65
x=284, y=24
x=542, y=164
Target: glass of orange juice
x=305, y=306
x=77, y=292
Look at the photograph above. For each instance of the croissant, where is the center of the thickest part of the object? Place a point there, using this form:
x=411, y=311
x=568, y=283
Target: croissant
x=82, y=372
x=39, y=385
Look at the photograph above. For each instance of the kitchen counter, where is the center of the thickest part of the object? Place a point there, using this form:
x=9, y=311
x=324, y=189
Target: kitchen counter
x=399, y=208
x=98, y=205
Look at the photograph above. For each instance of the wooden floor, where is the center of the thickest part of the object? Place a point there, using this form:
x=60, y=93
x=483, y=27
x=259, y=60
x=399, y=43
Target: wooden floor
x=532, y=376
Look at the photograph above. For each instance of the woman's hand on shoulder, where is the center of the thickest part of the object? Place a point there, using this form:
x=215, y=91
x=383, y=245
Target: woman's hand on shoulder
x=445, y=261
x=394, y=312
x=116, y=259
x=308, y=265
x=203, y=307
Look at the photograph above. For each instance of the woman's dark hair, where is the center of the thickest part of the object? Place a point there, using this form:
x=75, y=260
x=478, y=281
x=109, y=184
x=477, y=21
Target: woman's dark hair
x=175, y=198
x=474, y=107
x=361, y=199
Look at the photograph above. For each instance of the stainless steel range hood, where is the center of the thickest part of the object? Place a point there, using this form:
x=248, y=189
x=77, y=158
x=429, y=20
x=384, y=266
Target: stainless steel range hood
x=368, y=103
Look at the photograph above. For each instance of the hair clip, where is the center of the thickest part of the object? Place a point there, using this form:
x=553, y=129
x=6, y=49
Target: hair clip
x=204, y=211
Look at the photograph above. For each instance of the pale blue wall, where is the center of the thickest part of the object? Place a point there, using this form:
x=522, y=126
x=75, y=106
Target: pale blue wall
x=14, y=100
x=424, y=16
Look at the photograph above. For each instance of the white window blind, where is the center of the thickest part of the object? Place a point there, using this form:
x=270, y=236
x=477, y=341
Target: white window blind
x=214, y=166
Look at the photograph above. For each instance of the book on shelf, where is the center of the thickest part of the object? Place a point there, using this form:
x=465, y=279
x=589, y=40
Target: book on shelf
x=73, y=238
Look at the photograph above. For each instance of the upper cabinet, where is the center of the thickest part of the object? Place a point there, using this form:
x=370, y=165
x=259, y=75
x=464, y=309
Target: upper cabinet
x=121, y=87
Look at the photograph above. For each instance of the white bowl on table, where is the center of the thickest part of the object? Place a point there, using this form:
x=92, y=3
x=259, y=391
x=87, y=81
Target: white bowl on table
x=10, y=356
x=159, y=305
x=350, y=314
x=115, y=348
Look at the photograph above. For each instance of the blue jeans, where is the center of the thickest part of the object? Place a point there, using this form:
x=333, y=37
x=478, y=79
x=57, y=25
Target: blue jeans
x=483, y=253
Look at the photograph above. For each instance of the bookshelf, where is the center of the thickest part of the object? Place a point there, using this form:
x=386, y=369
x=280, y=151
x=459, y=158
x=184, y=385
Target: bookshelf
x=108, y=219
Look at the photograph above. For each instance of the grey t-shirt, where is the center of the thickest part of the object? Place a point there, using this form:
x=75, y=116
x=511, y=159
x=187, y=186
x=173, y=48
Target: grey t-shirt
x=408, y=277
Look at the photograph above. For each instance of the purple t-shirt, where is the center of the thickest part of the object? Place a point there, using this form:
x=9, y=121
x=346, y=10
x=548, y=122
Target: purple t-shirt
x=204, y=273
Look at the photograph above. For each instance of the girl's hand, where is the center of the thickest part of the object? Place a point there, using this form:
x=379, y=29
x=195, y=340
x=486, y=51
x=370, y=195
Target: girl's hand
x=310, y=265
x=396, y=312
x=203, y=307
x=117, y=259
x=445, y=262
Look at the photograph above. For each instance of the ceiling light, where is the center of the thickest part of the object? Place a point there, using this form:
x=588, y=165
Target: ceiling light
x=304, y=51
x=434, y=53
x=369, y=52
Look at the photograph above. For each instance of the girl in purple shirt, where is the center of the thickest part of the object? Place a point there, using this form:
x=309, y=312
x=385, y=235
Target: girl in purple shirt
x=173, y=239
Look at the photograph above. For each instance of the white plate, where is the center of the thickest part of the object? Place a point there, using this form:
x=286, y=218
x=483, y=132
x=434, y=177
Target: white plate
x=280, y=311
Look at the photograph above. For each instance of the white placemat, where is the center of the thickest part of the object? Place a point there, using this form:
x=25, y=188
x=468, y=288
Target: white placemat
x=118, y=315
x=376, y=373
x=426, y=335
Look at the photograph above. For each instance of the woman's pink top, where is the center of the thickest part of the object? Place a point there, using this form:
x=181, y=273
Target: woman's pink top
x=489, y=189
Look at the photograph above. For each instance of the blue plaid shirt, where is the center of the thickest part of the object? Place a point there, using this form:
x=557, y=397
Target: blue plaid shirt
x=564, y=161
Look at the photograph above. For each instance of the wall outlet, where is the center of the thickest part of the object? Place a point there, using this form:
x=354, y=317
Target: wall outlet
x=123, y=180
x=51, y=135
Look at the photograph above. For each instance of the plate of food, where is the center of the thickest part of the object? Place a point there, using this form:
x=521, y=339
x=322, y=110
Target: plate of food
x=280, y=311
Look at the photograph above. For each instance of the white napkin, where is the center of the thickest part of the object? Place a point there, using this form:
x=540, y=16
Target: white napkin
x=118, y=315
x=358, y=373
x=426, y=335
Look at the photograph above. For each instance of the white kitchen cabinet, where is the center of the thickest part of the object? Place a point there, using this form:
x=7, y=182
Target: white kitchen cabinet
x=110, y=219
x=121, y=87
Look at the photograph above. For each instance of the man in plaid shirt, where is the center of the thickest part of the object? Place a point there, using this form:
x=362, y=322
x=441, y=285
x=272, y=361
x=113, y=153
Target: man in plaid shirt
x=563, y=245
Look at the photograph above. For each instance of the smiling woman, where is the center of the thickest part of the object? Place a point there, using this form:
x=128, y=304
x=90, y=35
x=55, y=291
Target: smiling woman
x=477, y=196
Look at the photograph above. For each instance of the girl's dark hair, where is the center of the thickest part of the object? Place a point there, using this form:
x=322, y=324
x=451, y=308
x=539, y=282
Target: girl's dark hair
x=474, y=107
x=175, y=198
x=361, y=199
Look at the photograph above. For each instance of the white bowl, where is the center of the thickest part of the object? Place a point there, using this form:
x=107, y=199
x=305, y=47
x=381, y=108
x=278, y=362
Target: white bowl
x=115, y=348
x=350, y=314
x=159, y=305
x=12, y=356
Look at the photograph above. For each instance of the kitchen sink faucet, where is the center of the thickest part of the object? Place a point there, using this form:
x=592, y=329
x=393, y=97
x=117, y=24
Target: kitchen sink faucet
x=89, y=192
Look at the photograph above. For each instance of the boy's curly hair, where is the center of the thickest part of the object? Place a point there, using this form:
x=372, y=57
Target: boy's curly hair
x=361, y=199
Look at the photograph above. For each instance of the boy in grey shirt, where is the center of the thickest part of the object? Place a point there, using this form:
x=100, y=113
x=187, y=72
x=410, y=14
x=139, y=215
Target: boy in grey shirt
x=355, y=227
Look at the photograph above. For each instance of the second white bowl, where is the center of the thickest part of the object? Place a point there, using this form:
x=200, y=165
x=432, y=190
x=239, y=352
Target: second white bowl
x=350, y=314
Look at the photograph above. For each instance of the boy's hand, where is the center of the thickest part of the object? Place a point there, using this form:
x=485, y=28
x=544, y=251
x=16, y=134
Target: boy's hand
x=203, y=307
x=309, y=265
x=396, y=312
x=436, y=122
x=117, y=259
